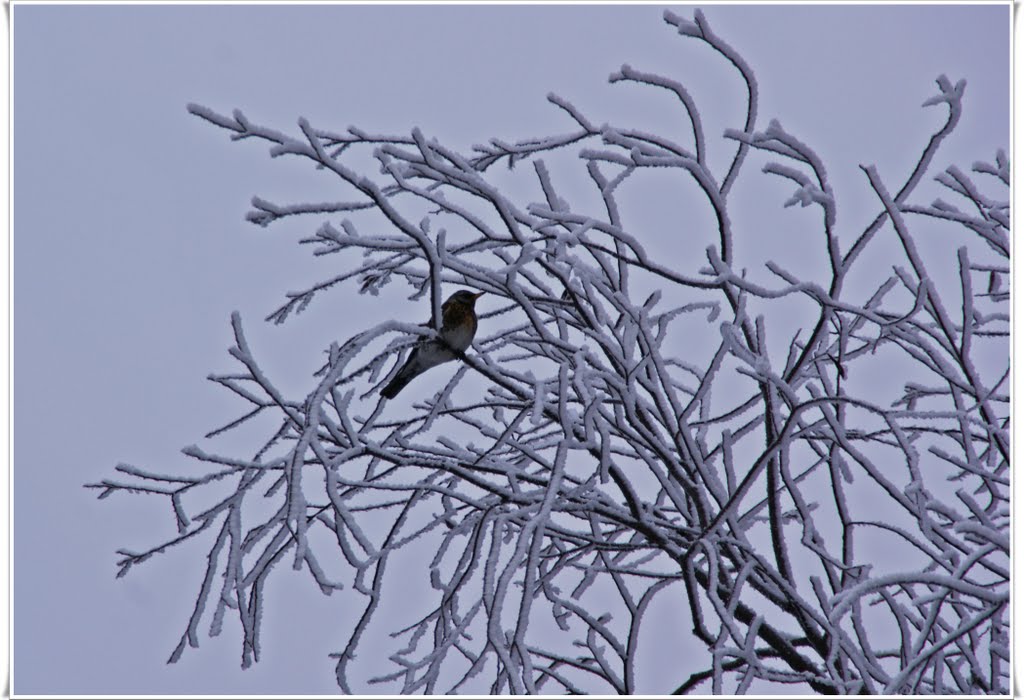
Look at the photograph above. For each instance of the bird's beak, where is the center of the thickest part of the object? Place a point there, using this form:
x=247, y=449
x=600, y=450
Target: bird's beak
x=477, y=295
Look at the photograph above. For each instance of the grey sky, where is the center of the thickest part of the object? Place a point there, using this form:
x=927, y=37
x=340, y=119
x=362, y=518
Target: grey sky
x=131, y=249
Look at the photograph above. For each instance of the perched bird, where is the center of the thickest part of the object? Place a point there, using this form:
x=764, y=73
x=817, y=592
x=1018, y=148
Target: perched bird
x=458, y=326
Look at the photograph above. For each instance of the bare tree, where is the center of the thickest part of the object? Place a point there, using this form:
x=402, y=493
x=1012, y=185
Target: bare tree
x=589, y=457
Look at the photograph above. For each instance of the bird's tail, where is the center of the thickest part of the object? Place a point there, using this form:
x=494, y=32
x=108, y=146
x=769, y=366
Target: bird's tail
x=412, y=367
x=395, y=385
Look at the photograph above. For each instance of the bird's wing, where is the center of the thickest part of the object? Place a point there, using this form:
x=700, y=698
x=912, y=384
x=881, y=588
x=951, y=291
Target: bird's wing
x=445, y=307
x=453, y=315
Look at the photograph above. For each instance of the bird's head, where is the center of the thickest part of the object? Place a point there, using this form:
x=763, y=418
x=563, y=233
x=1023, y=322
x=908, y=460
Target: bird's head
x=465, y=297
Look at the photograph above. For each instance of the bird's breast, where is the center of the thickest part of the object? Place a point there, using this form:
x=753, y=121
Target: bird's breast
x=460, y=336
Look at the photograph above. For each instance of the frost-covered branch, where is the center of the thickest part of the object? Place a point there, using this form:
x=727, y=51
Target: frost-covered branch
x=623, y=435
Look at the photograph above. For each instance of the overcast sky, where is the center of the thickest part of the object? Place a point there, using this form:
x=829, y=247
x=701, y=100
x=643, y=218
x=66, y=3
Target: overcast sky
x=131, y=249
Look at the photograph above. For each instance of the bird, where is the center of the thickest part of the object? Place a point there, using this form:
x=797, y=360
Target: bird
x=458, y=326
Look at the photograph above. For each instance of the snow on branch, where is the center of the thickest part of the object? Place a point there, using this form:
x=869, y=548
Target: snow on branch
x=623, y=437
